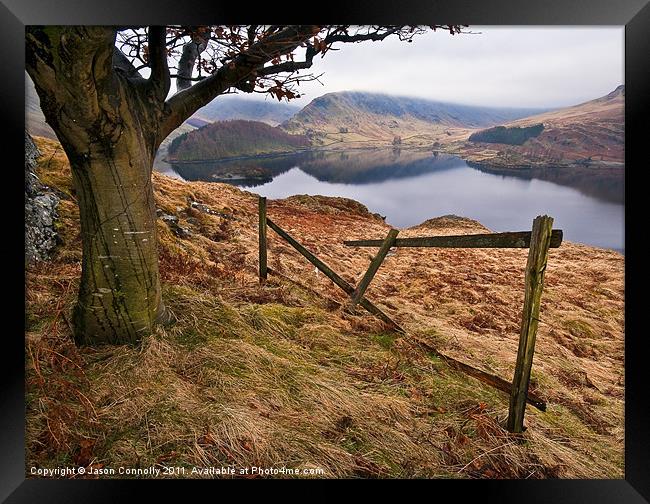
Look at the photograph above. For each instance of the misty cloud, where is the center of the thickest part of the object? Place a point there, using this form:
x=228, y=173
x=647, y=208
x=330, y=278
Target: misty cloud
x=493, y=66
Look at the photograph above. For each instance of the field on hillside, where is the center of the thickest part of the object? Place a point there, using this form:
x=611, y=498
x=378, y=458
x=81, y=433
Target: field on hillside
x=591, y=134
x=280, y=375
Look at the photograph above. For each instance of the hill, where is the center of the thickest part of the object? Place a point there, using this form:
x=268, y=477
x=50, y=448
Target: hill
x=590, y=134
x=280, y=376
x=228, y=107
x=232, y=138
x=357, y=117
x=34, y=119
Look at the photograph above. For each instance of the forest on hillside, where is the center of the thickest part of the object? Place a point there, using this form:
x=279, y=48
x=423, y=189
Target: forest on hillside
x=511, y=136
x=233, y=138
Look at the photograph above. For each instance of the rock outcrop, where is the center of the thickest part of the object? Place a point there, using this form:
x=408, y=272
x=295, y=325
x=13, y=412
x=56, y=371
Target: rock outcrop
x=40, y=210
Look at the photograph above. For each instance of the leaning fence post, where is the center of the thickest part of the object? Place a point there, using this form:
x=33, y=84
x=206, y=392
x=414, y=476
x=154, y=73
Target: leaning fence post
x=540, y=241
x=262, y=238
x=374, y=266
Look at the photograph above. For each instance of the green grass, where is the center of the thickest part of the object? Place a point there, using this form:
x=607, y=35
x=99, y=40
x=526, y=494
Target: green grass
x=579, y=328
x=385, y=340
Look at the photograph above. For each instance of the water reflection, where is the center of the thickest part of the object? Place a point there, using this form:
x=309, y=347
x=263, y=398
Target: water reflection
x=348, y=167
x=409, y=187
x=607, y=184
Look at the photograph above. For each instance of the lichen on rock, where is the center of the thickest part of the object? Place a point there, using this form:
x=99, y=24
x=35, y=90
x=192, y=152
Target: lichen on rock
x=40, y=210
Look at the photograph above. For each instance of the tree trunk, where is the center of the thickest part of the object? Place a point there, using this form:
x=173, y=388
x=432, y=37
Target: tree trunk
x=110, y=121
x=106, y=118
x=119, y=297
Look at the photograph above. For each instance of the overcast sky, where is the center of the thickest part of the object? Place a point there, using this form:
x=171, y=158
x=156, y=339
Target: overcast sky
x=496, y=66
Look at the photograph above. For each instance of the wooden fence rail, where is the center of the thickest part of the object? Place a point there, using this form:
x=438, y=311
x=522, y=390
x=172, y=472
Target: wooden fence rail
x=539, y=240
x=519, y=239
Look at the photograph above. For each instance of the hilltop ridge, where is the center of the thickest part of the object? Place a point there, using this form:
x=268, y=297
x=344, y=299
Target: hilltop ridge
x=590, y=134
x=237, y=107
x=354, y=116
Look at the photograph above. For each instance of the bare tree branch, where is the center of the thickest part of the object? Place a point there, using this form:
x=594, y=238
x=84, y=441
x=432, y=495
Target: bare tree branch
x=184, y=103
x=122, y=63
x=191, y=52
x=159, y=78
x=252, y=31
x=289, y=66
x=360, y=37
x=251, y=59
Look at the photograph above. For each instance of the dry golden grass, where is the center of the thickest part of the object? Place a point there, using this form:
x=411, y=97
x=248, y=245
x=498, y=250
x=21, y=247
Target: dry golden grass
x=277, y=376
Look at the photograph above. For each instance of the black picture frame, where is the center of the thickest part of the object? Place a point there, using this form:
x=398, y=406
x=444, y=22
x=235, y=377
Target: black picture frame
x=634, y=14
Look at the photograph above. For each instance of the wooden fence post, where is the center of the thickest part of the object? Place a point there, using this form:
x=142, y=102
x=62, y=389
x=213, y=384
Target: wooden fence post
x=374, y=266
x=535, y=268
x=262, y=239
x=492, y=380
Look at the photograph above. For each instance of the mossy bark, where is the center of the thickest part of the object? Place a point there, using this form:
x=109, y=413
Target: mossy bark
x=119, y=297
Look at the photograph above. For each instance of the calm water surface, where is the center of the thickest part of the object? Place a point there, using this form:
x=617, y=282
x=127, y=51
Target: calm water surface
x=409, y=188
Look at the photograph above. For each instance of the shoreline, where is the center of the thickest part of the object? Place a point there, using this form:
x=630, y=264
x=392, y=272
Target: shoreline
x=485, y=164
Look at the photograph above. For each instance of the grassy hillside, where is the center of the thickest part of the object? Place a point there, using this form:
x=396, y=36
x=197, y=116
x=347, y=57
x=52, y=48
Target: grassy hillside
x=590, y=134
x=358, y=118
x=280, y=375
x=233, y=138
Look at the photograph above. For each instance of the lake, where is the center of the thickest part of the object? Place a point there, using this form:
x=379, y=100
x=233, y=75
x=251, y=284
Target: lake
x=410, y=187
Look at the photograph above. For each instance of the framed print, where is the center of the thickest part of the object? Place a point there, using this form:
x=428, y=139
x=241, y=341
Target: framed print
x=325, y=252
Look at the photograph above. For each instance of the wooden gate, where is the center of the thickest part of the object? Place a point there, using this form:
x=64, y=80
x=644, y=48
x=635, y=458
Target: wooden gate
x=538, y=241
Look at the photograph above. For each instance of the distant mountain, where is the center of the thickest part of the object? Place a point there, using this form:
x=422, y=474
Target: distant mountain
x=227, y=107
x=224, y=139
x=357, y=116
x=588, y=134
